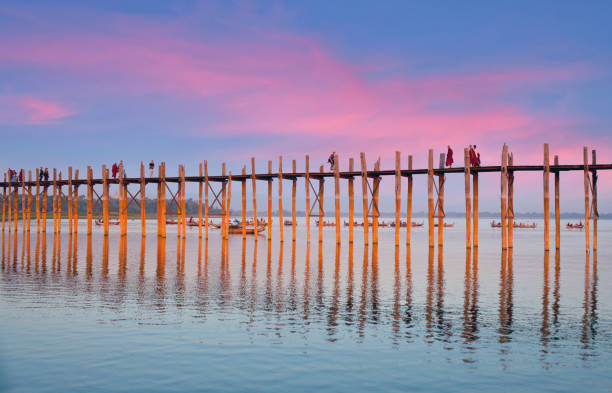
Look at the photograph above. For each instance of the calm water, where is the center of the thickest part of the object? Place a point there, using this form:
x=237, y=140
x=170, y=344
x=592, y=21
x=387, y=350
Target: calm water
x=279, y=318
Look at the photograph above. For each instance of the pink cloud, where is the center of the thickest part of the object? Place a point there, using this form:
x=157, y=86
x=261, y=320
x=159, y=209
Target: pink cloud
x=26, y=109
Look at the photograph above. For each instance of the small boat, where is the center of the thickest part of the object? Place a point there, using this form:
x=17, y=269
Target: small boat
x=171, y=222
x=418, y=224
x=580, y=225
x=496, y=224
x=289, y=223
x=446, y=225
x=327, y=223
x=249, y=231
x=100, y=222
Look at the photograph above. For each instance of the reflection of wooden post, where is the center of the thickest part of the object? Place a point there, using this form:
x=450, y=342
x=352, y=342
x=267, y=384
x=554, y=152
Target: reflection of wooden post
x=375, y=210
x=206, y=186
x=510, y=215
x=254, y=196
x=430, y=197
x=269, y=201
x=475, y=208
x=280, y=199
x=546, y=199
x=307, y=184
x=321, y=212
x=89, y=200
x=409, y=204
x=337, y=196
x=468, y=199
x=586, y=200
x=398, y=196
x=351, y=191
x=557, y=217
x=504, y=196
x=143, y=201
x=364, y=191
x=293, y=195
x=595, y=215
x=441, y=179
x=244, y=202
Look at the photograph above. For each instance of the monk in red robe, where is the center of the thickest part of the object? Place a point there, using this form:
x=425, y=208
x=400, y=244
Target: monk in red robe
x=449, y=157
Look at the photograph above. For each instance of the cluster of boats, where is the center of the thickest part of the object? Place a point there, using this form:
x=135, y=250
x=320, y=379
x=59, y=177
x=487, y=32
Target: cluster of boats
x=498, y=224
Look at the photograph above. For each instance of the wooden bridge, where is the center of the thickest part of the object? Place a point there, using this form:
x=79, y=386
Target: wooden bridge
x=221, y=188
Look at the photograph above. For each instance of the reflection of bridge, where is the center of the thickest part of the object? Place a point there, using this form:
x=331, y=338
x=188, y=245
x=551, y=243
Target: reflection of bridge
x=220, y=197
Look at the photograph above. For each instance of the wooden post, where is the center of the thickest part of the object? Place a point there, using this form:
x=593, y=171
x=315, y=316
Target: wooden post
x=223, y=204
x=89, y=200
x=105, y=196
x=143, y=201
x=4, y=211
x=59, y=206
x=375, y=208
x=337, y=196
x=29, y=201
x=468, y=198
x=504, y=196
x=587, y=206
x=441, y=179
x=183, y=207
x=23, y=214
x=595, y=215
x=557, y=215
x=161, y=198
x=122, y=226
x=206, y=186
x=254, y=196
x=200, y=191
x=351, y=192
x=398, y=196
x=510, y=215
x=44, y=209
x=75, y=201
x=229, y=200
x=54, y=201
x=364, y=190
x=409, y=205
x=546, y=199
x=307, y=184
x=475, y=208
x=269, y=201
x=244, y=202
x=321, y=212
x=293, y=196
x=280, y=199
x=430, y=197
x=70, y=218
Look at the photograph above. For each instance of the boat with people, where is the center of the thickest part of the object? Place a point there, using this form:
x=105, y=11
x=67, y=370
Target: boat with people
x=519, y=225
x=171, y=222
x=579, y=225
x=289, y=223
x=446, y=224
x=327, y=223
x=100, y=222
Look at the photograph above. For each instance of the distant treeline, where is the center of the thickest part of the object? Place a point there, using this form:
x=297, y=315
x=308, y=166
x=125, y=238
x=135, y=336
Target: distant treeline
x=191, y=209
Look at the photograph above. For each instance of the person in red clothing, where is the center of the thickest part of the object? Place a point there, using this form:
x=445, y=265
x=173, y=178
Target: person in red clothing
x=472, y=156
x=115, y=170
x=449, y=157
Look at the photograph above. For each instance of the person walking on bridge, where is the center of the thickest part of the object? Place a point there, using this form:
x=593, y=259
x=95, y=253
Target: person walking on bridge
x=332, y=161
x=151, y=167
x=449, y=157
x=115, y=170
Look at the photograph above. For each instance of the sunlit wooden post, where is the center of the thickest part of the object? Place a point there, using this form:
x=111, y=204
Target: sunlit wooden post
x=4, y=211
x=307, y=184
x=206, y=186
x=89, y=199
x=557, y=213
x=228, y=204
x=59, y=205
x=54, y=201
x=321, y=212
x=468, y=198
x=351, y=192
x=504, y=196
x=143, y=201
x=375, y=207
x=105, y=197
x=364, y=193
x=75, y=201
x=10, y=211
x=244, y=201
x=223, y=203
x=546, y=198
x=269, y=200
x=409, y=204
x=69, y=199
x=293, y=196
x=29, y=201
x=510, y=215
x=337, y=196
x=398, y=196
x=44, y=207
x=161, y=201
x=183, y=206
x=430, y=197
x=586, y=200
x=254, y=180
x=281, y=223
x=24, y=213
x=200, y=192
x=441, y=180
x=122, y=226
x=595, y=215
x=36, y=202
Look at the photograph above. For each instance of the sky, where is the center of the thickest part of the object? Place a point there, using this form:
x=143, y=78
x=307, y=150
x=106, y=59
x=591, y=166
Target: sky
x=91, y=83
